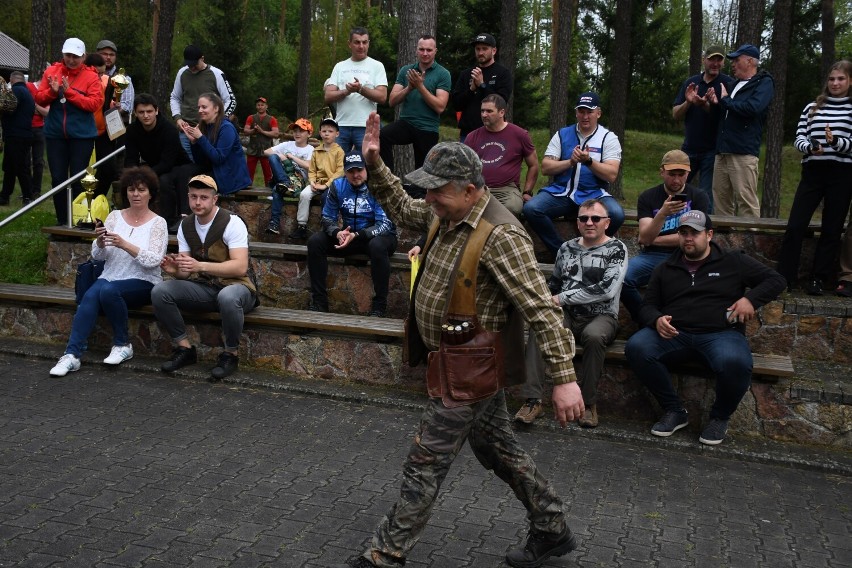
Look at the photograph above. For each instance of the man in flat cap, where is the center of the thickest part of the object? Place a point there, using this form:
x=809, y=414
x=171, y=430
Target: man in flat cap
x=478, y=265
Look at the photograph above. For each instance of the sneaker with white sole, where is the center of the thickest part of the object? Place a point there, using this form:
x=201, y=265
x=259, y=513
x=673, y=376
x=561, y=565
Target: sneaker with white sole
x=66, y=364
x=119, y=354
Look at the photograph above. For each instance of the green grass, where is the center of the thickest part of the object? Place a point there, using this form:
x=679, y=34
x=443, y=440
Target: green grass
x=25, y=247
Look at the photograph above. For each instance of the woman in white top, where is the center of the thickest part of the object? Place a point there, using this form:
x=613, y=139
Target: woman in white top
x=133, y=242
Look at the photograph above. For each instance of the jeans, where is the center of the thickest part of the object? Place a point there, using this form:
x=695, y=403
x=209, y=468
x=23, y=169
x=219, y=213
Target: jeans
x=701, y=164
x=113, y=298
x=828, y=182
x=379, y=249
x=594, y=334
x=726, y=353
x=232, y=302
x=639, y=269
x=66, y=157
x=351, y=136
x=400, y=133
x=185, y=144
x=486, y=427
x=544, y=207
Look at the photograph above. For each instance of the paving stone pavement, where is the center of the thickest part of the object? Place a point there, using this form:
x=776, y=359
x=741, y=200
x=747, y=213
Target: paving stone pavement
x=128, y=467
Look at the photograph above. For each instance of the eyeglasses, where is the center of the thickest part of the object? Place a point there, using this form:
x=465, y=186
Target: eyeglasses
x=595, y=218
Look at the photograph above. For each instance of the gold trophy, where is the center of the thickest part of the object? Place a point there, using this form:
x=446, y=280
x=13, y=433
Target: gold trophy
x=89, y=183
x=119, y=82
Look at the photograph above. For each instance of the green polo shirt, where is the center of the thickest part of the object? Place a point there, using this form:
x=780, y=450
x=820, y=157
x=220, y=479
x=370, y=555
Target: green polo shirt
x=414, y=108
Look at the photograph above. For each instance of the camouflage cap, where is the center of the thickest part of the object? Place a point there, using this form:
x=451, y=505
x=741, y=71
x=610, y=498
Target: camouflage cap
x=446, y=162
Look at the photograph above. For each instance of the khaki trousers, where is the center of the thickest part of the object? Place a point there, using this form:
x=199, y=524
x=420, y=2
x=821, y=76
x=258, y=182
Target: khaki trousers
x=735, y=185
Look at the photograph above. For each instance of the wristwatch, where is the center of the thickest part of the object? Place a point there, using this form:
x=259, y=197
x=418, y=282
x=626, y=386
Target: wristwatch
x=588, y=162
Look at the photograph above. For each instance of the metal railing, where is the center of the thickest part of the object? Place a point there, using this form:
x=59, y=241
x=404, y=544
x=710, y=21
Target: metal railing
x=64, y=185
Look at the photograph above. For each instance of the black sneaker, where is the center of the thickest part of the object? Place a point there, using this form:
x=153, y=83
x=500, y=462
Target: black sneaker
x=714, y=432
x=814, y=287
x=541, y=546
x=227, y=364
x=4, y=201
x=377, y=313
x=844, y=289
x=671, y=422
x=314, y=307
x=301, y=232
x=360, y=562
x=181, y=357
x=273, y=229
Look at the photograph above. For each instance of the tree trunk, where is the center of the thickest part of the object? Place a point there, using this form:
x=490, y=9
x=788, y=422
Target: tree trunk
x=303, y=82
x=750, y=22
x=560, y=67
x=282, y=21
x=828, y=38
x=39, y=52
x=770, y=204
x=620, y=79
x=57, y=29
x=416, y=18
x=165, y=14
x=508, y=52
x=696, y=36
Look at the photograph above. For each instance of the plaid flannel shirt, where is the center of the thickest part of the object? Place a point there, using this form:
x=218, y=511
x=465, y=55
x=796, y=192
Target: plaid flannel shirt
x=508, y=275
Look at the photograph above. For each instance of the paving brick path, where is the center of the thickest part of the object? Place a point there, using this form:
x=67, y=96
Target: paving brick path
x=130, y=468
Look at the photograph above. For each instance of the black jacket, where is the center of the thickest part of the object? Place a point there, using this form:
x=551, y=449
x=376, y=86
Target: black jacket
x=698, y=305
x=160, y=148
x=497, y=81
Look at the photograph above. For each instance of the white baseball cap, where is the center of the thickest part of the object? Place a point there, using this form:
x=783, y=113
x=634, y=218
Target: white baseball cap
x=74, y=46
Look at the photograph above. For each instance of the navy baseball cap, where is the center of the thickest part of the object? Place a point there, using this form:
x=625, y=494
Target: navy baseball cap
x=353, y=160
x=745, y=49
x=588, y=100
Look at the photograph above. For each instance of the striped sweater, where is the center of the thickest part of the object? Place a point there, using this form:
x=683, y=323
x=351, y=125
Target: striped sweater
x=835, y=113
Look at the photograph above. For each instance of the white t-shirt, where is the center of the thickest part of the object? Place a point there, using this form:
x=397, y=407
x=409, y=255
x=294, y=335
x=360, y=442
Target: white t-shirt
x=301, y=152
x=234, y=237
x=355, y=109
x=611, y=147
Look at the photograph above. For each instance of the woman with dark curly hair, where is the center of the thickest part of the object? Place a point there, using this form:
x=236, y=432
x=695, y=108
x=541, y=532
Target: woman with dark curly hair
x=132, y=242
x=824, y=136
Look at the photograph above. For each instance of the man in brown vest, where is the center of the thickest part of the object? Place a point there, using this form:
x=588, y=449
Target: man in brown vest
x=211, y=274
x=496, y=271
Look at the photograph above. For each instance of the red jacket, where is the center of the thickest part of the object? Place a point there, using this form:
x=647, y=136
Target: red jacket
x=75, y=117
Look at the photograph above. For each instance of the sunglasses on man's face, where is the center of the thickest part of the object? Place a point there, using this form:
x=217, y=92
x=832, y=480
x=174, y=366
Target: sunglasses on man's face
x=595, y=218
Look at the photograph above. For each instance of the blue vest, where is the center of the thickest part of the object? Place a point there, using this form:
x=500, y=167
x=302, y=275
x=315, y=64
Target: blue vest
x=582, y=185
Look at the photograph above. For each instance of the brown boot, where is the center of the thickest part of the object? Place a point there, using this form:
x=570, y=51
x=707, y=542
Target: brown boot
x=590, y=417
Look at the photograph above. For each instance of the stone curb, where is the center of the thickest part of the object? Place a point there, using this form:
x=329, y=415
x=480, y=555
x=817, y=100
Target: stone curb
x=825, y=460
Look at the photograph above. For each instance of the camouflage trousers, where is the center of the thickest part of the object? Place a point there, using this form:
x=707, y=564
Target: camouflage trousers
x=486, y=426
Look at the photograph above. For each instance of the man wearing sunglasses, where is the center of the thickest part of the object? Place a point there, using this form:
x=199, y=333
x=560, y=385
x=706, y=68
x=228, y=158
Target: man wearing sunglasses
x=694, y=310
x=585, y=283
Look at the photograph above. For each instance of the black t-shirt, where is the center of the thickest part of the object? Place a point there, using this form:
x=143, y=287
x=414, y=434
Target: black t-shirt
x=652, y=199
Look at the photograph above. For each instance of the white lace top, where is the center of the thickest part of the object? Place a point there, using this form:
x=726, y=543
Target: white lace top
x=151, y=238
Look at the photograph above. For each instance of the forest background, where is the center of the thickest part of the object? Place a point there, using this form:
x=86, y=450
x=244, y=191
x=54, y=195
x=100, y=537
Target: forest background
x=634, y=53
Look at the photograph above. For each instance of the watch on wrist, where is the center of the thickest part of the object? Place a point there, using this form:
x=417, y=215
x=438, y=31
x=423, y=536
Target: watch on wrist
x=588, y=162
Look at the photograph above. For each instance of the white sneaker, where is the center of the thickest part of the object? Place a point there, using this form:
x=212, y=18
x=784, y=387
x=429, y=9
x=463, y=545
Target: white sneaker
x=67, y=363
x=119, y=354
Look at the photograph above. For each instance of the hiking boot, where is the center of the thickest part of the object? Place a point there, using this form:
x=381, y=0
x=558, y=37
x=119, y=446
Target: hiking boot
x=541, y=546
x=844, y=289
x=227, y=364
x=119, y=354
x=671, y=422
x=273, y=228
x=300, y=232
x=590, y=417
x=67, y=364
x=529, y=411
x=714, y=432
x=181, y=357
x=814, y=287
